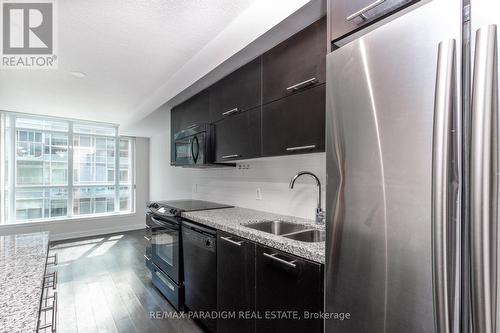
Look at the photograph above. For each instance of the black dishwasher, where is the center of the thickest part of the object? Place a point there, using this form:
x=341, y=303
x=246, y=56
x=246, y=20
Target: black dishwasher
x=200, y=270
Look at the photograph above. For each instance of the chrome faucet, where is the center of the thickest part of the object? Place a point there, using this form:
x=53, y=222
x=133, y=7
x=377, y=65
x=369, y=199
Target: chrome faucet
x=320, y=213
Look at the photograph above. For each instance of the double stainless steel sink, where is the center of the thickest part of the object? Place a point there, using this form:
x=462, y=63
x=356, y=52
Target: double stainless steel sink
x=295, y=231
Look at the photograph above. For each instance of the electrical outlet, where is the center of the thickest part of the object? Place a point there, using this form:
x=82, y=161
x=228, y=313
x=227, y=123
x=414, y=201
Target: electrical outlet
x=258, y=194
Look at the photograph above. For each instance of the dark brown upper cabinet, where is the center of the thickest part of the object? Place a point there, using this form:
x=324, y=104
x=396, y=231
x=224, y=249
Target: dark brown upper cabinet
x=296, y=64
x=237, y=92
x=238, y=136
x=296, y=124
x=194, y=111
x=349, y=16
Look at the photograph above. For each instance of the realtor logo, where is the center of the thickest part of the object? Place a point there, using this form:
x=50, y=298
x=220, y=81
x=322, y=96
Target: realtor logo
x=28, y=34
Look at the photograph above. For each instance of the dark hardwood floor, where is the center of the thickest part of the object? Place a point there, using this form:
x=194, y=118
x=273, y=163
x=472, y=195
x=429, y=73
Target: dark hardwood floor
x=104, y=286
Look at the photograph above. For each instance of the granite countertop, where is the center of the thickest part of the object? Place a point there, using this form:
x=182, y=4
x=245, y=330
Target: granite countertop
x=22, y=268
x=233, y=220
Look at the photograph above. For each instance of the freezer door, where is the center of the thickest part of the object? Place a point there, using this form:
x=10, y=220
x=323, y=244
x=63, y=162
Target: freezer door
x=381, y=97
x=484, y=170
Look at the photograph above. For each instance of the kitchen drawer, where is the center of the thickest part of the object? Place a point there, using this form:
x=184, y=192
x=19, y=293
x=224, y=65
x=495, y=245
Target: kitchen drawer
x=167, y=287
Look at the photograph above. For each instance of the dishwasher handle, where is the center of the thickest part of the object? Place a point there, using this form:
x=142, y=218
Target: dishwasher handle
x=199, y=228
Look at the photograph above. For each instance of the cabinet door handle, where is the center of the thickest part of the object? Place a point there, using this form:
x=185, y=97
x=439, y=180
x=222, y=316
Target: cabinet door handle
x=230, y=156
x=273, y=257
x=147, y=258
x=147, y=238
x=302, y=84
x=363, y=10
x=300, y=148
x=230, y=112
x=228, y=239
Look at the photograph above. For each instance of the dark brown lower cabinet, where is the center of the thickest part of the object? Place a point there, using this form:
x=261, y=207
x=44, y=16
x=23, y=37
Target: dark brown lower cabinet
x=238, y=136
x=235, y=283
x=295, y=124
x=287, y=289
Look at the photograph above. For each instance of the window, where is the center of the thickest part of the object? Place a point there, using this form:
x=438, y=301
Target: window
x=59, y=168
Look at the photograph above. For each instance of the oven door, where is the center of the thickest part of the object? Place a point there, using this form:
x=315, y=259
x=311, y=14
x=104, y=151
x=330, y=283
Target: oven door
x=190, y=150
x=165, y=246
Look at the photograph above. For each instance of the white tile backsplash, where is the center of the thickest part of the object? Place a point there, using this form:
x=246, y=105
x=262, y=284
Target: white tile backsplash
x=238, y=186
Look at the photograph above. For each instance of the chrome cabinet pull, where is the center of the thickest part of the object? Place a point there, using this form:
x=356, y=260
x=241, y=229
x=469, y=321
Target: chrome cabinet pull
x=363, y=10
x=147, y=258
x=230, y=112
x=147, y=238
x=483, y=184
x=230, y=156
x=300, y=148
x=228, y=239
x=302, y=84
x=273, y=257
x=441, y=172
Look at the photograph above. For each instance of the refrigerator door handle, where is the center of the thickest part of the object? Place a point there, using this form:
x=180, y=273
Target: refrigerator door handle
x=484, y=181
x=441, y=172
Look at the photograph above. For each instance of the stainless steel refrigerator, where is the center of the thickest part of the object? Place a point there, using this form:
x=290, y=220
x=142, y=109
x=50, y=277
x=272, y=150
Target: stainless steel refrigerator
x=413, y=172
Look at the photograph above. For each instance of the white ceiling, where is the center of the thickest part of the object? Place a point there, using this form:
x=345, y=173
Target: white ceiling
x=140, y=54
x=127, y=48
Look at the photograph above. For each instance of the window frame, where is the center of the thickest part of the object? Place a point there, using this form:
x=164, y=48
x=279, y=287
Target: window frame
x=9, y=168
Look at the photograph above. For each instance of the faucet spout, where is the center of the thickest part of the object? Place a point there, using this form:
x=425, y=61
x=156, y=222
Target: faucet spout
x=320, y=214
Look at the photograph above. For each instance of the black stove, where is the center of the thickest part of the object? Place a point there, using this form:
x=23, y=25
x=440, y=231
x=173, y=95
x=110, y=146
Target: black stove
x=164, y=253
x=176, y=207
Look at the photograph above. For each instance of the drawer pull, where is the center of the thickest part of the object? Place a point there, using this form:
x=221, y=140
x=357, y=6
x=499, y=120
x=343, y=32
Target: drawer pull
x=230, y=156
x=230, y=112
x=363, y=10
x=300, y=148
x=228, y=239
x=147, y=238
x=147, y=258
x=273, y=257
x=302, y=84
x=54, y=260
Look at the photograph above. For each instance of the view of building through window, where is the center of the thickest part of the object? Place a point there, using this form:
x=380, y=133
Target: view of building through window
x=62, y=168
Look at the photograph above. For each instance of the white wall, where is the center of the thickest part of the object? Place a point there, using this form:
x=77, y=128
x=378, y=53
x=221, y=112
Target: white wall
x=166, y=182
x=272, y=176
x=80, y=227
